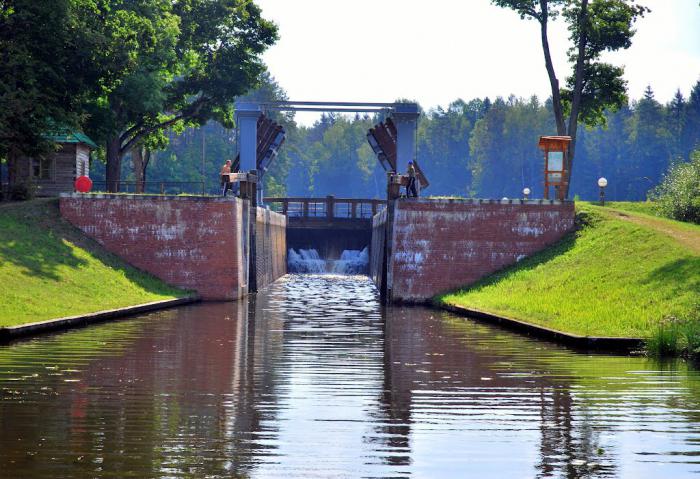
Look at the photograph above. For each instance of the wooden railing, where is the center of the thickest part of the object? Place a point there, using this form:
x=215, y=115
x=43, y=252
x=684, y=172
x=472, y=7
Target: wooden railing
x=329, y=207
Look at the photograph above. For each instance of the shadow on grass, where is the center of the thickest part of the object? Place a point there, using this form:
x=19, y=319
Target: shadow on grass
x=28, y=241
x=685, y=272
x=34, y=238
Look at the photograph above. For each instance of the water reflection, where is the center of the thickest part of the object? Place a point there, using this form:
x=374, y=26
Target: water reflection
x=313, y=379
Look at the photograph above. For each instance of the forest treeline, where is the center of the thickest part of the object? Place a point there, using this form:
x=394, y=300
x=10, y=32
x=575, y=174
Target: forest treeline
x=477, y=148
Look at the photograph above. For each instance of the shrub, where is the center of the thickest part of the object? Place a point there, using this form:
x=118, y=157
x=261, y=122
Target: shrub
x=678, y=195
x=21, y=192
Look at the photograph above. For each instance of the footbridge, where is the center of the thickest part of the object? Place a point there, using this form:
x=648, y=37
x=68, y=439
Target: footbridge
x=328, y=225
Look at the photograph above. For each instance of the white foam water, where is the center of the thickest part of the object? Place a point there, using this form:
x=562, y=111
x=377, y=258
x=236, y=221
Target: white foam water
x=309, y=261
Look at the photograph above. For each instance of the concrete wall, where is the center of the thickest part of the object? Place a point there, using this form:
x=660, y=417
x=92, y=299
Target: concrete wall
x=440, y=245
x=193, y=243
x=376, y=259
x=271, y=246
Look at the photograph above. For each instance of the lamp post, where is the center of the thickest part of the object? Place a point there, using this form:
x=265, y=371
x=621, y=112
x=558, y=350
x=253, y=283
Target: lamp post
x=526, y=193
x=602, y=183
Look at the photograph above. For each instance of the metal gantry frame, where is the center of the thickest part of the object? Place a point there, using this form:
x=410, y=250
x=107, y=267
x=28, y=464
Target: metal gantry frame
x=404, y=114
x=328, y=106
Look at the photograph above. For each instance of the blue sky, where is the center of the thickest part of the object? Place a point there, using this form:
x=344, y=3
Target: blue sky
x=438, y=51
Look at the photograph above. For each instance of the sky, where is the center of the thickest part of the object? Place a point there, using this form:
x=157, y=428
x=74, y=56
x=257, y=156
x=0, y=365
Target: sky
x=436, y=52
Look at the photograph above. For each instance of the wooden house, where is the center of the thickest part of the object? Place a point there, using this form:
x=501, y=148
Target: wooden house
x=56, y=172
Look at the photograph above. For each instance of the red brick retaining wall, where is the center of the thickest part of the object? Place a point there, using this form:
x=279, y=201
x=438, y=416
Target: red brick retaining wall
x=440, y=245
x=194, y=243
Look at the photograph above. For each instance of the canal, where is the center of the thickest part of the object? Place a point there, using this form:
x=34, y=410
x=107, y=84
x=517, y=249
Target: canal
x=312, y=378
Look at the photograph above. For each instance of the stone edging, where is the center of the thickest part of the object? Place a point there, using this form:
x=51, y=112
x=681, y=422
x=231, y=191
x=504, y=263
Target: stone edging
x=583, y=342
x=10, y=333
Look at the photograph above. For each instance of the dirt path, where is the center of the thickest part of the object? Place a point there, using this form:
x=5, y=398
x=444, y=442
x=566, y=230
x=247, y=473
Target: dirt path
x=686, y=237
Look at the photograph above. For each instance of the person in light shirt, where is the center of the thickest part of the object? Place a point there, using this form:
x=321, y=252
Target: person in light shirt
x=225, y=177
x=411, y=190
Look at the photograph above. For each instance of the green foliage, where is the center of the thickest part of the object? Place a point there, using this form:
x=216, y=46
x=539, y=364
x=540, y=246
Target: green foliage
x=616, y=276
x=604, y=26
x=21, y=191
x=43, y=79
x=475, y=148
x=56, y=271
x=678, y=196
x=595, y=27
x=605, y=90
x=676, y=337
x=593, y=87
x=666, y=339
x=503, y=146
x=641, y=207
x=124, y=69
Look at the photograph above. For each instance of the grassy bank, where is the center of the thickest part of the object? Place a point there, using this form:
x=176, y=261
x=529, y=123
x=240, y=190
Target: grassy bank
x=620, y=274
x=48, y=269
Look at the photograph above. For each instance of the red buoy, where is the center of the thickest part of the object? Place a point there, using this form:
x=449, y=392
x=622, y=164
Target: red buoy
x=83, y=184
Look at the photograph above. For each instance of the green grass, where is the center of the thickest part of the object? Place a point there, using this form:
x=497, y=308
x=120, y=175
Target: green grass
x=618, y=275
x=644, y=207
x=48, y=269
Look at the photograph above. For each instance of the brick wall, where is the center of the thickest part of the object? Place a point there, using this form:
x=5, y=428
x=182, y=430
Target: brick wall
x=193, y=243
x=440, y=245
x=271, y=246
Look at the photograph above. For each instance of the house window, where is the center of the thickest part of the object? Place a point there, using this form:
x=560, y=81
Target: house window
x=42, y=168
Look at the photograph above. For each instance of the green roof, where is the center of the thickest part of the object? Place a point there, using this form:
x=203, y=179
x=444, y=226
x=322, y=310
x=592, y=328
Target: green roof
x=71, y=137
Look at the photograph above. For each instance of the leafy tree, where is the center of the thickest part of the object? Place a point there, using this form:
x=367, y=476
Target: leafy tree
x=676, y=118
x=487, y=157
x=678, y=196
x=691, y=127
x=595, y=26
x=45, y=73
x=649, y=141
x=443, y=145
x=605, y=151
x=171, y=64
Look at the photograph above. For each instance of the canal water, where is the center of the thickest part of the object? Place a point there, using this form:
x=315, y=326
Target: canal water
x=312, y=378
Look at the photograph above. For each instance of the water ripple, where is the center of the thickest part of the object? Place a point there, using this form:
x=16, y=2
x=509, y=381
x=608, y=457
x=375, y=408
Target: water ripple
x=312, y=378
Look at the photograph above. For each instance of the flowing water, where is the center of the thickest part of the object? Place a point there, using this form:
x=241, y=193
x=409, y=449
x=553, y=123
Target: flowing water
x=313, y=379
x=351, y=262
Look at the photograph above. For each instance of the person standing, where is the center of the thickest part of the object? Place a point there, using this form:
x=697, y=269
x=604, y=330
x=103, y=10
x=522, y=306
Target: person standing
x=411, y=190
x=226, y=177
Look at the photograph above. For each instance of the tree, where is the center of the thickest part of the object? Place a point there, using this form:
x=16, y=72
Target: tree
x=691, y=127
x=171, y=64
x=649, y=145
x=676, y=110
x=595, y=26
x=45, y=73
x=443, y=145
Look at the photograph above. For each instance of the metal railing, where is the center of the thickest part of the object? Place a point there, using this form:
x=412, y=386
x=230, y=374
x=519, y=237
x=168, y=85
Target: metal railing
x=155, y=187
x=328, y=207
